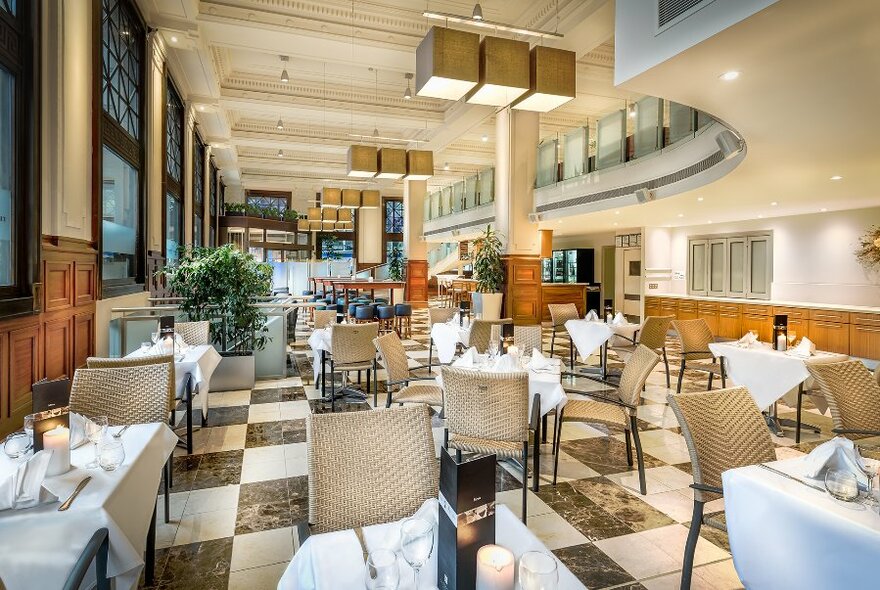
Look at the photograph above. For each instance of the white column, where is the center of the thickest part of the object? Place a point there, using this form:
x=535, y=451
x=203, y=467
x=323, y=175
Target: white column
x=414, y=192
x=155, y=141
x=188, y=147
x=516, y=142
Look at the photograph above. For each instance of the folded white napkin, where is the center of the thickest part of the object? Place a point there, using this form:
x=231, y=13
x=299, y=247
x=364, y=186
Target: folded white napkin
x=390, y=538
x=748, y=340
x=467, y=359
x=837, y=453
x=77, y=430
x=21, y=489
x=506, y=364
x=618, y=319
x=538, y=361
x=592, y=316
x=805, y=349
x=163, y=347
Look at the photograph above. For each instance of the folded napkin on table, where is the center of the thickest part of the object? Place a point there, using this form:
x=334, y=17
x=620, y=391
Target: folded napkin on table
x=506, y=364
x=21, y=489
x=78, y=435
x=618, y=320
x=467, y=359
x=592, y=316
x=538, y=361
x=805, y=349
x=748, y=340
x=837, y=453
x=180, y=346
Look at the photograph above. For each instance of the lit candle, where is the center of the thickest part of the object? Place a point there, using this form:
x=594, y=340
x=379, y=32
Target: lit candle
x=168, y=344
x=781, y=342
x=513, y=351
x=57, y=440
x=495, y=567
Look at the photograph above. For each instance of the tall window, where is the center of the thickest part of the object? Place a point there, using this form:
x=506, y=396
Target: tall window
x=266, y=200
x=174, y=114
x=393, y=234
x=122, y=153
x=19, y=199
x=198, y=191
x=212, y=201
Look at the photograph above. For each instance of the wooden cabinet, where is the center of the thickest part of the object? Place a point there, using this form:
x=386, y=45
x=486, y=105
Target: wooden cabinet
x=669, y=307
x=729, y=321
x=687, y=309
x=829, y=315
x=652, y=306
x=708, y=311
x=830, y=336
x=864, y=335
x=563, y=293
x=758, y=317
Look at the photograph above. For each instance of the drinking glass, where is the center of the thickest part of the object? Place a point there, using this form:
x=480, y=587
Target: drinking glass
x=155, y=337
x=95, y=429
x=111, y=453
x=145, y=346
x=416, y=543
x=29, y=427
x=842, y=484
x=381, y=572
x=792, y=336
x=537, y=571
x=493, y=349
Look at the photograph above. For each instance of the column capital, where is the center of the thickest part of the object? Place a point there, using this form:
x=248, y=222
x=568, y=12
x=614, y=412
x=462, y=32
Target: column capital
x=158, y=51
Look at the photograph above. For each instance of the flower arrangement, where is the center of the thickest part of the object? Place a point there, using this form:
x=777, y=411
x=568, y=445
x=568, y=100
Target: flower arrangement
x=868, y=252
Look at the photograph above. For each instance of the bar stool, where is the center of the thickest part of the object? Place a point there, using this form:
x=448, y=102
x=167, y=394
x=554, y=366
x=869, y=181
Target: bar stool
x=364, y=314
x=382, y=300
x=386, y=316
x=352, y=309
x=403, y=311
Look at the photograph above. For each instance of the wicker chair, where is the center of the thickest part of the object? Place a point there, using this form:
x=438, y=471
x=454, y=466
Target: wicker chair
x=194, y=333
x=653, y=335
x=723, y=430
x=559, y=314
x=694, y=337
x=488, y=413
x=400, y=374
x=437, y=315
x=619, y=411
x=352, y=349
x=324, y=318
x=481, y=333
x=853, y=396
x=528, y=337
x=811, y=388
x=357, y=478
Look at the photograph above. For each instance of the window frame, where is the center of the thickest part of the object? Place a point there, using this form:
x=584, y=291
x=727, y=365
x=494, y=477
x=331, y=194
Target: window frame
x=725, y=240
x=213, y=202
x=198, y=178
x=170, y=185
x=390, y=236
x=287, y=196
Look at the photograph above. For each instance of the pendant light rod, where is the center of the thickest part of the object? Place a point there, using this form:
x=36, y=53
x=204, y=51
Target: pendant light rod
x=487, y=24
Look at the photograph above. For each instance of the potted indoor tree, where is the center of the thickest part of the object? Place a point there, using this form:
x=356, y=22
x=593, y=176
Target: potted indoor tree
x=489, y=273
x=222, y=284
x=396, y=265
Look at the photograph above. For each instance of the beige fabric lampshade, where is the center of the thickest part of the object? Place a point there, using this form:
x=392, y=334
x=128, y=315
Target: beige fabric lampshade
x=362, y=161
x=315, y=226
x=329, y=225
x=329, y=215
x=351, y=198
x=447, y=63
x=419, y=164
x=552, y=80
x=392, y=163
x=331, y=197
x=370, y=199
x=504, y=72
x=302, y=225
x=345, y=226
x=345, y=216
x=314, y=214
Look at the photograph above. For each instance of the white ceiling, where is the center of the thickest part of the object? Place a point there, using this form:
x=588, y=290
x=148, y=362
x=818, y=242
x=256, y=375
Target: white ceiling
x=804, y=103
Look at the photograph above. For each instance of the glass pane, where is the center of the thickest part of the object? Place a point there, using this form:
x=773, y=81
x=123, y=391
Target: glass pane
x=122, y=38
x=120, y=213
x=487, y=186
x=391, y=245
x=173, y=234
x=8, y=6
x=197, y=230
x=174, y=135
x=610, y=132
x=574, y=158
x=737, y=262
x=435, y=205
x=648, y=123
x=446, y=200
x=681, y=121
x=7, y=179
x=427, y=208
x=470, y=192
x=212, y=187
x=698, y=267
x=393, y=217
x=758, y=271
x=457, y=196
x=267, y=202
x=716, y=280
x=547, y=163
x=198, y=174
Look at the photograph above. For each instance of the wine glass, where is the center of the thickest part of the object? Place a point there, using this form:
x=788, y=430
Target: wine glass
x=381, y=571
x=155, y=337
x=111, y=453
x=493, y=349
x=537, y=571
x=792, y=336
x=95, y=429
x=842, y=485
x=416, y=543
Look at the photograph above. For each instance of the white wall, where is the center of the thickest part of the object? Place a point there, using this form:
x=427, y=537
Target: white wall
x=813, y=260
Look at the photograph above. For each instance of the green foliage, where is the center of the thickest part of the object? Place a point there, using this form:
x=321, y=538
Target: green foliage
x=223, y=282
x=330, y=246
x=234, y=208
x=291, y=215
x=488, y=266
x=395, y=264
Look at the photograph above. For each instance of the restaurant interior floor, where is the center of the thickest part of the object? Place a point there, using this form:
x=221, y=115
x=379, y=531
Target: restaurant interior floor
x=236, y=499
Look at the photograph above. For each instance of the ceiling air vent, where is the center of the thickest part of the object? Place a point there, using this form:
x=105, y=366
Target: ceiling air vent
x=670, y=12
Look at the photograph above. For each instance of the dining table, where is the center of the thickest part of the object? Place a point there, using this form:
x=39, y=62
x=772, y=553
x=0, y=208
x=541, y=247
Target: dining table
x=348, y=284
x=332, y=561
x=588, y=336
x=446, y=336
x=40, y=545
x=786, y=531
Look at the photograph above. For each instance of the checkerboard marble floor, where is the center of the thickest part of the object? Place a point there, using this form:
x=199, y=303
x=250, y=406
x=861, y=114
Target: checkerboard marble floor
x=236, y=500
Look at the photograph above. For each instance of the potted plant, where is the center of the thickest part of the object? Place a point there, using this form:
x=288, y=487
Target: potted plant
x=489, y=273
x=330, y=245
x=233, y=209
x=291, y=215
x=221, y=283
x=396, y=265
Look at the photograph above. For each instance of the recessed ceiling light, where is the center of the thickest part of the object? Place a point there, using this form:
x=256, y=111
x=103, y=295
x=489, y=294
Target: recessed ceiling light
x=615, y=224
x=280, y=154
x=485, y=138
x=560, y=221
x=823, y=209
x=617, y=212
x=681, y=214
x=836, y=177
x=728, y=76
x=478, y=12
x=279, y=125
x=760, y=217
x=710, y=221
x=446, y=166
x=700, y=199
x=773, y=204
x=202, y=107
x=173, y=39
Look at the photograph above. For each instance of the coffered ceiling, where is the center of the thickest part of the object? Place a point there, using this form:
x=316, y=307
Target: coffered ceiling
x=346, y=64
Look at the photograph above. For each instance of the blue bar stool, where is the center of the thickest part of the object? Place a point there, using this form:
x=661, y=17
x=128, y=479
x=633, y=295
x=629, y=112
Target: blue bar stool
x=352, y=309
x=403, y=311
x=386, y=316
x=364, y=314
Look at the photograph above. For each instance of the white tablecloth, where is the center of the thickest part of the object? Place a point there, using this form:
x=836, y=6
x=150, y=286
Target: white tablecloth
x=319, y=340
x=588, y=336
x=786, y=535
x=768, y=374
x=198, y=362
x=446, y=335
x=39, y=545
x=333, y=561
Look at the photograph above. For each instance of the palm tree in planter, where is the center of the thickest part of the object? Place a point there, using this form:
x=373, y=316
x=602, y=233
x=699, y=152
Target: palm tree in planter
x=489, y=273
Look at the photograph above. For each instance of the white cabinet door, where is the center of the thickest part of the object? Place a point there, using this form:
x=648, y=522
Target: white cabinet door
x=697, y=267
x=760, y=257
x=736, y=267
x=716, y=282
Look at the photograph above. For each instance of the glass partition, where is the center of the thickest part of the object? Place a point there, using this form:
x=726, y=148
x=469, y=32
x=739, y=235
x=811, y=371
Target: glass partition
x=426, y=212
x=575, y=158
x=487, y=186
x=648, y=135
x=470, y=192
x=547, y=165
x=704, y=119
x=446, y=200
x=435, y=205
x=610, y=139
x=681, y=122
x=457, y=196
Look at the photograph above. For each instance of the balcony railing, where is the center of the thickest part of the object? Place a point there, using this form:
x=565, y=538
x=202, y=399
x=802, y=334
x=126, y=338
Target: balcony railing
x=465, y=194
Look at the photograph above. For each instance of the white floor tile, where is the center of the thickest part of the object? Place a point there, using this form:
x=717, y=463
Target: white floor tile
x=262, y=548
x=260, y=578
x=205, y=526
x=263, y=471
x=212, y=499
x=513, y=500
x=264, y=413
x=554, y=531
x=225, y=399
x=294, y=410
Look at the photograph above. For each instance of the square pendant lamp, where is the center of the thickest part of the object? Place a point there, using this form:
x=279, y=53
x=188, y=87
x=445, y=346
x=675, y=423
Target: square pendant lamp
x=315, y=226
x=370, y=199
x=329, y=215
x=302, y=225
x=351, y=198
x=362, y=161
x=552, y=80
x=504, y=72
x=419, y=164
x=314, y=214
x=329, y=225
x=447, y=63
x=392, y=163
x=331, y=198
x=345, y=216
x=347, y=226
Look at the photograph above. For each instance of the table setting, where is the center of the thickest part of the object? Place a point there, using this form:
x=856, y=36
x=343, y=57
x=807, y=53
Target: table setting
x=448, y=335
x=591, y=334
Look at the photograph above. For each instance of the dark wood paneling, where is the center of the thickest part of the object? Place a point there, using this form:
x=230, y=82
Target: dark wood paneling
x=563, y=293
x=57, y=285
x=57, y=348
x=522, y=289
x=85, y=282
x=83, y=338
x=417, y=283
x=24, y=367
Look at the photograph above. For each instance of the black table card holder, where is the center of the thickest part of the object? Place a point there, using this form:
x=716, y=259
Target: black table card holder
x=467, y=518
x=48, y=395
x=47, y=421
x=166, y=326
x=780, y=328
x=464, y=310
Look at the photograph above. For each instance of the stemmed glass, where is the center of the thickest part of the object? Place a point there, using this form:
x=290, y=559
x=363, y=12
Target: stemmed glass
x=792, y=336
x=537, y=571
x=381, y=572
x=416, y=543
x=95, y=429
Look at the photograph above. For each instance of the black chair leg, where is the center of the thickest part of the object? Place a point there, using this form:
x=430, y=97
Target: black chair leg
x=723, y=373
x=458, y=455
x=797, y=428
x=552, y=341
x=525, y=498
x=711, y=375
x=687, y=566
x=629, y=451
x=430, y=352
x=445, y=437
x=640, y=458
x=168, y=490
x=666, y=362
x=557, y=438
x=680, y=377
x=150, y=557
x=571, y=353
x=189, y=417
x=332, y=386
x=544, y=428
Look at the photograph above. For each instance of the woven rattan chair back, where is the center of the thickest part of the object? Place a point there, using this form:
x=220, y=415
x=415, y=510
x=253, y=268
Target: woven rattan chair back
x=723, y=430
x=353, y=343
x=694, y=337
x=194, y=333
x=393, y=355
x=526, y=338
x=324, y=318
x=493, y=406
x=635, y=373
x=852, y=393
x=653, y=332
x=126, y=395
x=481, y=332
x=438, y=315
x=562, y=312
x=368, y=468
x=120, y=363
